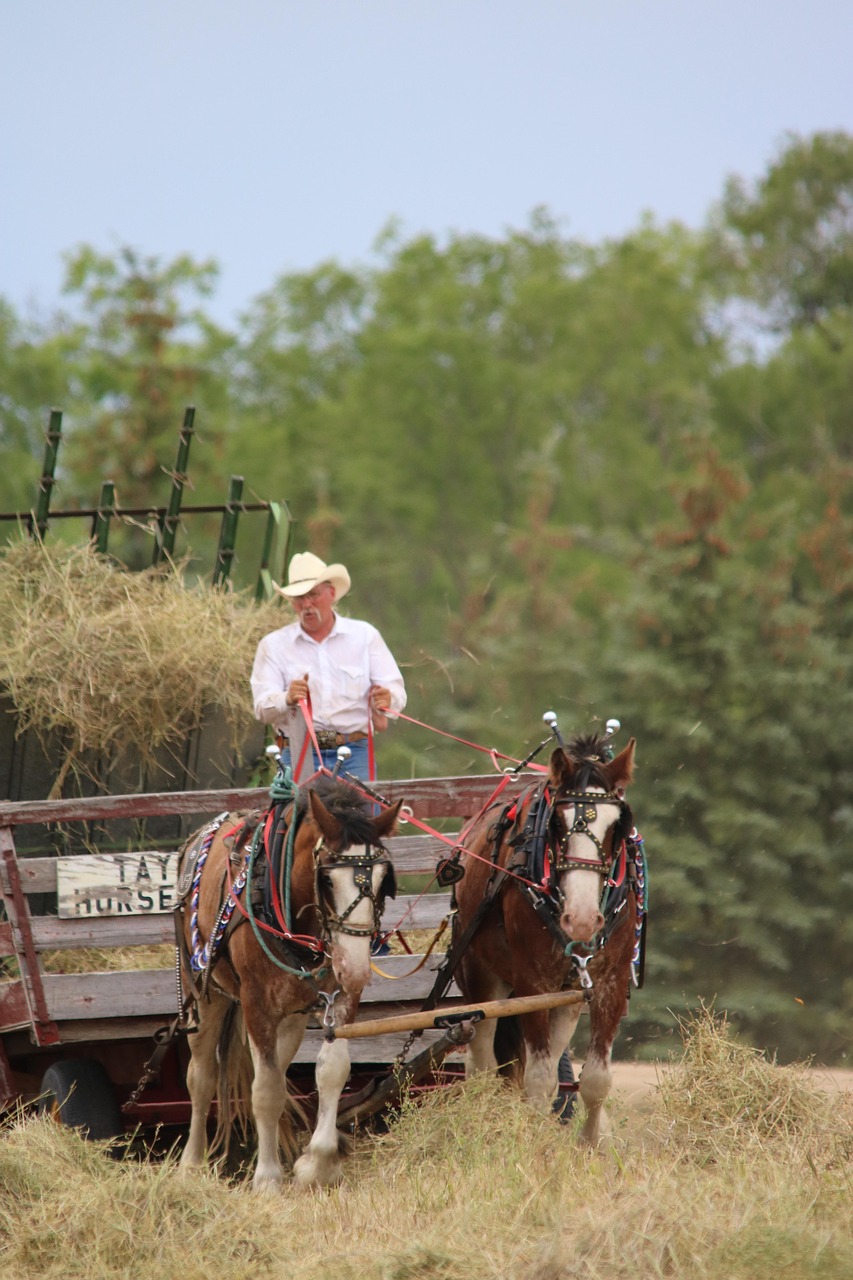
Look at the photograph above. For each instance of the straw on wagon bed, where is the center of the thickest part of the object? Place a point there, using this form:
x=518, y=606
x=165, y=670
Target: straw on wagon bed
x=98, y=657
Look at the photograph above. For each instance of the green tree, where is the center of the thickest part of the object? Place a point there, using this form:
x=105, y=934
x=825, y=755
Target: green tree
x=788, y=239
x=740, y=695
x=33, y=377
x=413, y=401
x=140, y=351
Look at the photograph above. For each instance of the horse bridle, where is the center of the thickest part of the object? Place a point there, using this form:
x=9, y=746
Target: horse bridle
x=585, y=810
x=361, y=865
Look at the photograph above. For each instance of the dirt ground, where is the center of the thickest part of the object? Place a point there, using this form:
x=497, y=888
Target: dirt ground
x=635, y=1082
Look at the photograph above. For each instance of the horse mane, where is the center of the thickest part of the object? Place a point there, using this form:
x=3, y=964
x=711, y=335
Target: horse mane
x=353, y=811
x=589, y=753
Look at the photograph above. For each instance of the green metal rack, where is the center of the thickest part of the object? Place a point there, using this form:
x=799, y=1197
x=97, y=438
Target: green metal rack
x=167, y=520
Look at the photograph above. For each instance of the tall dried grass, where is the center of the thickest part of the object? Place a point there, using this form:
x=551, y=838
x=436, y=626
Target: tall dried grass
x=470, y=1182
x=106, y=657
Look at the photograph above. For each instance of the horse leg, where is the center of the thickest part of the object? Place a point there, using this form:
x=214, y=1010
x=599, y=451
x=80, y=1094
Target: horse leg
x=480, y=1055
x=596, y=1076
x=547, y=1034
x=609, y=1005
x=479, y=984
x=540, y=1060
x=564, y=1020
x=270, y=1098
x=563, y=1024
x=595, y=1082
x=320, y=1164
x=202, y=1075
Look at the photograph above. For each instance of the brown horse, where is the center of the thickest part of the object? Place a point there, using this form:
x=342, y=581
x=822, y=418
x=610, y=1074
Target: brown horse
x=546, y=864
x=332, y=876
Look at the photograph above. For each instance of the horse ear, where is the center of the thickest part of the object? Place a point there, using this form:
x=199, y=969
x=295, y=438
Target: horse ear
x=561, y=768
x=386, y=821
x=620, y=771
x=329, y=825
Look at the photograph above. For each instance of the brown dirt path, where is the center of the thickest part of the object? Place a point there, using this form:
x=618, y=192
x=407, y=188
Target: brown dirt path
x=633, y=1082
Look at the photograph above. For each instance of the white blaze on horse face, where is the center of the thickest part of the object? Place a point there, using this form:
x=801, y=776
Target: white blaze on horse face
x=351, y=953
x=581, y=918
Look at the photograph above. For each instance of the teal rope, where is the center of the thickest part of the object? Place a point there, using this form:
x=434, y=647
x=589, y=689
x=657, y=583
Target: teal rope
x=282, y=790
x=288, y=867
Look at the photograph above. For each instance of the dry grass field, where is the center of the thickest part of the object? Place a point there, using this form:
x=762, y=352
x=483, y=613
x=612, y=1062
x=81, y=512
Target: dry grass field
x=720, y=1166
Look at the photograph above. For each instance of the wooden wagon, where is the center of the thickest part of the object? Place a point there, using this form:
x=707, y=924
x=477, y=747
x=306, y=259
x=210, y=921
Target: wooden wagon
x=94, y=1030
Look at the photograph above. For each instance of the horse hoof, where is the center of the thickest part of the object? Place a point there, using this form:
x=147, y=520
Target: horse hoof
x=313, y=1170
x=267, y=1185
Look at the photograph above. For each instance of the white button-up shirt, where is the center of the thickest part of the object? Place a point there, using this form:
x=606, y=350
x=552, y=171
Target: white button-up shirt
x=341, y=670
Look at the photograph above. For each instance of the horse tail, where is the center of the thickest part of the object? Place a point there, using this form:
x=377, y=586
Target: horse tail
x=293, y=1118
x=234, y=1093
x=234, y=1083
x=509, y=1049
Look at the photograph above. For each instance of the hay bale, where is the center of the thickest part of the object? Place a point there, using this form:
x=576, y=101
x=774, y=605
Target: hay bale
x=103, y=656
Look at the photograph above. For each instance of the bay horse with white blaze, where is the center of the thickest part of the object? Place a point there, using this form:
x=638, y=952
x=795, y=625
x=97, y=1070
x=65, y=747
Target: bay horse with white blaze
x=541, y=874
x=318, y=856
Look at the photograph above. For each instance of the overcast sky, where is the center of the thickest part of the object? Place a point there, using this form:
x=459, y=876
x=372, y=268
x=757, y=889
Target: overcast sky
x=273, y=134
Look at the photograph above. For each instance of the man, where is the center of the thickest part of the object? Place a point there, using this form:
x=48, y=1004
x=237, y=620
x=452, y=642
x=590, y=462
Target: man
x=341, y=665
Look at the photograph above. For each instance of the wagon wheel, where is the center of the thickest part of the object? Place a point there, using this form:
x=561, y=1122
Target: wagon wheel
x=78, y=1093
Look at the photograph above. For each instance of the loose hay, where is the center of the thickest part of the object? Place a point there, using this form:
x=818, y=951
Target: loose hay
x=106, y=657
x=471, y=1182
x=724, y=1098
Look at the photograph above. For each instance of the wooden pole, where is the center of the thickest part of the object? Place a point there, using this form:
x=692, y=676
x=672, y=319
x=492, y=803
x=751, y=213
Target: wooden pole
x=430, y=1017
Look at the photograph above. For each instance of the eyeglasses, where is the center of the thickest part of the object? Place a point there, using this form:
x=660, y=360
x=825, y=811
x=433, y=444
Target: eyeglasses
x=316, y=593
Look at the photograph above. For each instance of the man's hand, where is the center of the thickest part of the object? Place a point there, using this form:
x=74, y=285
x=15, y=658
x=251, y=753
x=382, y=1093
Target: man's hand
x=297, y=691
x=379, y=700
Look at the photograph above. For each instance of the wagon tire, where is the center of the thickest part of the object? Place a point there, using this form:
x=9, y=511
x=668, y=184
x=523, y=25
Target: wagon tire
x=78, y=1093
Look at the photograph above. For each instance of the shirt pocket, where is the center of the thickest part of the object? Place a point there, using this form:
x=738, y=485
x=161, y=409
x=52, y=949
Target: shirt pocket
x=353, y=682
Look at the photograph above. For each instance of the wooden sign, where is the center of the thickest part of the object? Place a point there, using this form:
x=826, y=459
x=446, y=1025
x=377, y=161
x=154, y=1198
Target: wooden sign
x=116, y=884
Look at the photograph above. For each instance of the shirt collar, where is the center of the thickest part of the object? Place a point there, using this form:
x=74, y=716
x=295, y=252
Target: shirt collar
x=303, y=635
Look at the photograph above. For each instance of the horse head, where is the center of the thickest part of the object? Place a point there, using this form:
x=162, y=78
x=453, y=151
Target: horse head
x=590, y=819
x=353, y=876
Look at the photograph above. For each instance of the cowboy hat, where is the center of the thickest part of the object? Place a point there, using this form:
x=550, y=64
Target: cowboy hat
x=306, y=570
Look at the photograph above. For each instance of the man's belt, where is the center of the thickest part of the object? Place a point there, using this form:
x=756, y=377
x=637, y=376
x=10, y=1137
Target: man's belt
x=328, y=739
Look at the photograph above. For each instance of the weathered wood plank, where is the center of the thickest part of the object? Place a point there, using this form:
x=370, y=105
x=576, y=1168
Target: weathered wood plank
x=146, y=993
x=139, y=929
x=458, y=797
x=140, y=992
x=52, y=934
x=412, y=855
